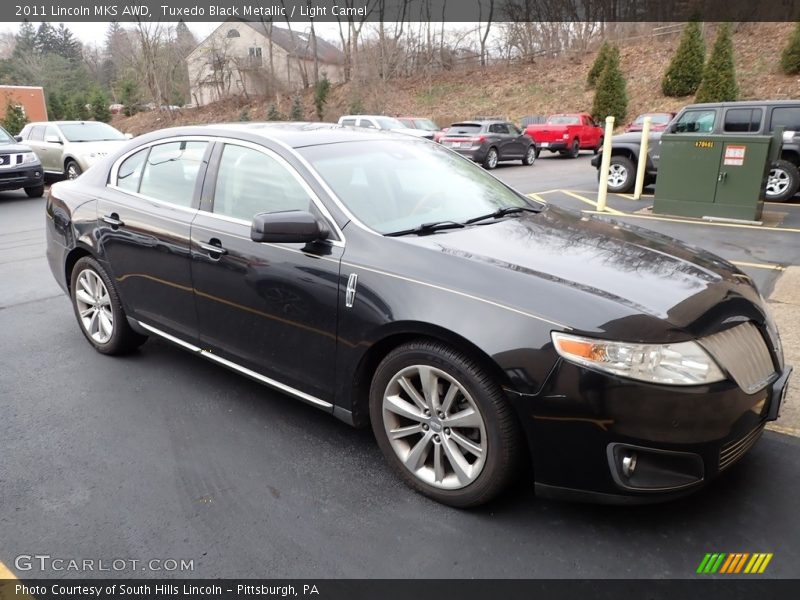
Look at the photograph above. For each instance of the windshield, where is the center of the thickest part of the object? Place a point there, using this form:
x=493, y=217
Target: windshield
x=389, y=123
x=90, y=132
x=564, y=120
x=5, y=137
x=426, y=124
x=657, y=119
x=392, y=185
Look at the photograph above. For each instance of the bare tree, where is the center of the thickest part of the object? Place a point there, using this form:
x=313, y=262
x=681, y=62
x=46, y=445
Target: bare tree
x=485, y=35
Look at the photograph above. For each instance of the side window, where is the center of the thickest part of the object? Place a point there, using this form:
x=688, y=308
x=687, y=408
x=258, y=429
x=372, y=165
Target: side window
x=130, y=171
x=498, y=128
x=349, y=122
x=51, y=131
x=513, y=129
x=171, y=171
x=787, y=117
x=742, y=120
x=696, y=121
x=250, y=182
x=366, y=123
x=37, y=133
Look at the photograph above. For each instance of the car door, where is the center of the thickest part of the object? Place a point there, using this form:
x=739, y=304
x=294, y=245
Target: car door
x=35, y=139
x=144, y=221
x=519, y=141
x=270, y=308
x=501, y=139
x=53, y=150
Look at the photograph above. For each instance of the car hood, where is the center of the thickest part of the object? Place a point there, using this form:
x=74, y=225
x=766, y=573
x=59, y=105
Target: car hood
x=590, y=274
x=106, y=147
x=12, y=148
x=635, y=136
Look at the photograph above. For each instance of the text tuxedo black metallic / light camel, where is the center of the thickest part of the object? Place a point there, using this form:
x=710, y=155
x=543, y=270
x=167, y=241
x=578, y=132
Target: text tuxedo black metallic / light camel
x=393, y=283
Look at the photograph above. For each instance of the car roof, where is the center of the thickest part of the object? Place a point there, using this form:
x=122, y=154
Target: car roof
x=66, y=122
x=293, y=134
x=482, y=122
x=745, y=103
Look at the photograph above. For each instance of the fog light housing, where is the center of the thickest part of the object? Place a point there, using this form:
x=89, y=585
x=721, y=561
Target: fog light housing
x=653, y=470
x=629, y=464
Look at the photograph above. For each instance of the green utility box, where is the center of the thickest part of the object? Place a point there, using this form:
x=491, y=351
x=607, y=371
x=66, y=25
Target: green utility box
x=714, y=175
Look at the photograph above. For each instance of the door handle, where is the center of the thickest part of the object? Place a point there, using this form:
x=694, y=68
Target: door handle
x=723, y=175
x=214, y=246
x=113, y=220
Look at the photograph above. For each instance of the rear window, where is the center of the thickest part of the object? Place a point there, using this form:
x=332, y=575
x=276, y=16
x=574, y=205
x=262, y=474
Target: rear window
x=742, y=120
x=787, y=117
x=564, y=120
x=465, y=128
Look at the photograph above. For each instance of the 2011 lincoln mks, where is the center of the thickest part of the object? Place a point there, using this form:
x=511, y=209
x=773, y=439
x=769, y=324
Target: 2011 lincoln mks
x=393, y=283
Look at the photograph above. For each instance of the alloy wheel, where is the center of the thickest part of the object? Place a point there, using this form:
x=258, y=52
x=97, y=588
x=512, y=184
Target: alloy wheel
x=530, y=156
x=617, y=175
x=94, y=306
x=73, y=171
x=777, y=182
x=492, y=159
x=434, y=427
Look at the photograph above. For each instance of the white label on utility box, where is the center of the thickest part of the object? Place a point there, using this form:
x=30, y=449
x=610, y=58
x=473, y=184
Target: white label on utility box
x=734, y=155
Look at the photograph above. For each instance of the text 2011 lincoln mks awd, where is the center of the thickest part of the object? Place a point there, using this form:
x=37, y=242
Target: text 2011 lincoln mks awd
x=395, y=284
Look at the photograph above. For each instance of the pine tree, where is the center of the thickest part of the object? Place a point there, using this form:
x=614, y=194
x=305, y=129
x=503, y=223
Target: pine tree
x=598, y=65
x=55, y=106
x=297, y=113
x=66, y=45
x=685, y=72
x=46, y=39
x=25, y=41
x=273, y=114
x=611, y=96
x=321, y=90
x=790, y=58
x=719, y=75
x=15, y=118
x=100, y=110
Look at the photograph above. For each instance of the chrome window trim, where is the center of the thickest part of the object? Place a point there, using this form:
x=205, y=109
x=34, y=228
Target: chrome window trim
x=313, y=400
x=236, y=142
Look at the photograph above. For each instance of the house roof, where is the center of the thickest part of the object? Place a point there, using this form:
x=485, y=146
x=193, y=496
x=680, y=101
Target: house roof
x=298, y=44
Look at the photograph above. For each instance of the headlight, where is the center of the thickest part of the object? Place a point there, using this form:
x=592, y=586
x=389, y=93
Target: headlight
x=684, y=363
x=29, y=158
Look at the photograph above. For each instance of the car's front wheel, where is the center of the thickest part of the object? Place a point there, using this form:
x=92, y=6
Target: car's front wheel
x=72, y=169
x=530, y=156
x=36, y=191
x=490, y=162
x=621, y=175
x=443, y=424
x=783, y=181
x=99, y=310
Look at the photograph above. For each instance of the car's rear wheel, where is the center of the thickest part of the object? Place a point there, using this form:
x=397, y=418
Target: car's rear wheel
x=36, y=191
x=99, y=310
x=621, y=174
x=530, y=156
x=72, y=169
x=443, y=424
x=490, y=162
x=783, y=181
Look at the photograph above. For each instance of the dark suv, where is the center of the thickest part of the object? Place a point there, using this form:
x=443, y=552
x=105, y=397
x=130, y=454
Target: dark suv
x=19, y=167
x=489, y=142
x=734, y=118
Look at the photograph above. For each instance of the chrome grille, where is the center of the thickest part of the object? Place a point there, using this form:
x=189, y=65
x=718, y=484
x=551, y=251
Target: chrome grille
x=733, y=451
x=742, y=352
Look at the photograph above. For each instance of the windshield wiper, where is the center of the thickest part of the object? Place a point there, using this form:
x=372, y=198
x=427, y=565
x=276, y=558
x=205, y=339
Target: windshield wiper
x=502, y=212
x=427, y=228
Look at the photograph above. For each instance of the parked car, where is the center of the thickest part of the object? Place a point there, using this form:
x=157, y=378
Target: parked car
x=755, y=117
x=70, y=147
x=658, y=121
x=20, y=168
x=490, y=142
x=384, y=123
x=473, y=329
x=423, y=124
x=567, y=134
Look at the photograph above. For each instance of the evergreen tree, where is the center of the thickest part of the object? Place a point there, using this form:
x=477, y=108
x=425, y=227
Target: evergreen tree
x=25, y=43
x=611, y=96
x=67, y=45
x=273, y=114
x=321, y=90
x=129, y=97
x=45, y=39
x=719, y=75
x=297, y=113
x=100, y=110
x=685, y=72
x=790, y=57
x=15, y=118
x=598, y=65
x=55, y=106
x=244, y=115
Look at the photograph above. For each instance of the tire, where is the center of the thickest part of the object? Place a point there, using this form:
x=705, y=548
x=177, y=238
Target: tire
x=72, y=169
x=103, y=322
x=621, y=175
x=575, y=150
x=530, y=156
x=36, y=191
x=488, y=425
x=783, y=181
x=490, y=162
x=599, y=145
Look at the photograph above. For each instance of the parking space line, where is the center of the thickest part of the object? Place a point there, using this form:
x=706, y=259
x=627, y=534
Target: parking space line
x=689, y=222
x=5, y=572
x=753, y=265
x=592, y=203
x=535, y=196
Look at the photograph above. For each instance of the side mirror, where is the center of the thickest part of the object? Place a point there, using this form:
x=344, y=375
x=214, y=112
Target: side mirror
x=128, y=136
x=18, y=138
x=53, y=139
x=290, y=226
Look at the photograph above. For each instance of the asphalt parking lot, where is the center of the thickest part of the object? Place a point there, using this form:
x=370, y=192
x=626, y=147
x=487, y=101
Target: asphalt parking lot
x=163, y=455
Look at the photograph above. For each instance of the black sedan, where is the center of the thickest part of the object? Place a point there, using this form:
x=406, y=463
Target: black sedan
x=392, y=283
x=490, y=142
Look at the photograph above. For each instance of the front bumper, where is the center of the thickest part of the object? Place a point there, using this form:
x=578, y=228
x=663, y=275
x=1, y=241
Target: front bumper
x=584, y=428
x=14, y=179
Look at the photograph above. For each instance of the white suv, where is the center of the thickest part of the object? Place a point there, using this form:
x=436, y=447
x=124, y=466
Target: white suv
x=382, y=122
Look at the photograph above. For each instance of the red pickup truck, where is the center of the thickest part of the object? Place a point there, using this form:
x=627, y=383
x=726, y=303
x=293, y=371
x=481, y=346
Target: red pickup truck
x=567, y=134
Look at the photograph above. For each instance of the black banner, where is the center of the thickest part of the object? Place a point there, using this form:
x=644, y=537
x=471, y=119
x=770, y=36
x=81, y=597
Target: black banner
x=400, y=10
x=730, y=588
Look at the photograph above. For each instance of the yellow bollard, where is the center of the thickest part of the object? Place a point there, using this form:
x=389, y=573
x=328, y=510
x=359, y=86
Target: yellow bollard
x=602, y=190
x=637, y=191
